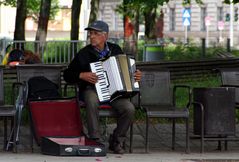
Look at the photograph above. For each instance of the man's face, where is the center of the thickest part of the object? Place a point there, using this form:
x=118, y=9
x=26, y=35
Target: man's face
x=98, y=39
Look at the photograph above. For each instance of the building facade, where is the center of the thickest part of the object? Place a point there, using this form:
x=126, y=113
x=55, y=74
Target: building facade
x=216, y=28
x=107, y=13
x=59, y=28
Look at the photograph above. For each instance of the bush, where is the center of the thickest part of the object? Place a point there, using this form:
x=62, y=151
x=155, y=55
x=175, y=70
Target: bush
x=60, y=51
x=183, y=52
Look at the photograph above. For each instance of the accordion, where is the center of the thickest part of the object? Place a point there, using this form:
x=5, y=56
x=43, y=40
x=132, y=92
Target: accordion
x=115, y=77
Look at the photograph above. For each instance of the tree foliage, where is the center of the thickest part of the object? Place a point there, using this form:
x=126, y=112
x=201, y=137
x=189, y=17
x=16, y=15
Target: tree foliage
x=128, y=6
x=187, y=2
x=12, y=3
x=228, y=1
x=147, y=10
x=33, y=7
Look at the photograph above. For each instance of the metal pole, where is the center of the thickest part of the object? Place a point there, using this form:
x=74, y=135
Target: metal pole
x=186, y=34
x=231, y=22
x=203, y=48
x=220, y=36
x=228, y=45
x=207, y=36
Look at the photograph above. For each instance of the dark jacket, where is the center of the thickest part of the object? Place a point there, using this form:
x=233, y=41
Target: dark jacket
x=81, y=63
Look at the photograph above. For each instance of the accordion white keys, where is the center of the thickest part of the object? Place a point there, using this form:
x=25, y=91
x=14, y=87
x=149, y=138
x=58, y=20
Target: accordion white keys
x=115, y=77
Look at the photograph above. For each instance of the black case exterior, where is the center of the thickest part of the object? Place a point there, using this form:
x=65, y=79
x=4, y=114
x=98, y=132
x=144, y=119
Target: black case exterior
x=51, y=147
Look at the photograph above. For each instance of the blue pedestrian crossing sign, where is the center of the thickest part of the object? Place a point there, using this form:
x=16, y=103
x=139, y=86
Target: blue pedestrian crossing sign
x=186, y=17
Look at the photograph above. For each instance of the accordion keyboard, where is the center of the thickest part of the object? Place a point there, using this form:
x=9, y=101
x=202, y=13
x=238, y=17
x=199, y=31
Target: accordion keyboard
x=102, y=84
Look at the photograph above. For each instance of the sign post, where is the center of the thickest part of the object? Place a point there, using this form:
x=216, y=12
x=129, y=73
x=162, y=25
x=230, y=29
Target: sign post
x=220, y=26
x=231, y=22
x=207, y=23
x=186, y=22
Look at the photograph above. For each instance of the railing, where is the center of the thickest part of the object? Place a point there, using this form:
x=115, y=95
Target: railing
x=52, y=51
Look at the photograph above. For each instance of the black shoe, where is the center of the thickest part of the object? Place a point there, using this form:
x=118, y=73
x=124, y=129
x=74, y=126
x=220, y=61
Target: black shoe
x=111, y=143
x=98, y=140
x=115, y=146
x=118, y=148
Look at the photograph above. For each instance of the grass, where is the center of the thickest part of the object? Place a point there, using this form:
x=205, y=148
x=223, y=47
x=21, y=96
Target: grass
x=204, y=81
x=182, y=52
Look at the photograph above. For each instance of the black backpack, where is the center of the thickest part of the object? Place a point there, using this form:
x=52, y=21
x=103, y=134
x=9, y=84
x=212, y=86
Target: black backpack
x=40, y=87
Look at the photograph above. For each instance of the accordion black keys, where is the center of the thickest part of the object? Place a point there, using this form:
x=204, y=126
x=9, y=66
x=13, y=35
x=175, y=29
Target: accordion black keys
x=115, y=77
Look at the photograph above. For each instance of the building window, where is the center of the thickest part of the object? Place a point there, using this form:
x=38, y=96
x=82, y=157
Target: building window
x=203, y=15
x=219, y=14
x=172, y=19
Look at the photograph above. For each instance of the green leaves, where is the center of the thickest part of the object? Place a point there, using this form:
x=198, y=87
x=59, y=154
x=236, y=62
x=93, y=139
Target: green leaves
x=228, y=1
x=12, y=3
x=188, y=2
x=33, y=7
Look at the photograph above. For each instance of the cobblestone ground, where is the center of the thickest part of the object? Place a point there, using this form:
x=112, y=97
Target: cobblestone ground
x=159, y=139
x=160, y=148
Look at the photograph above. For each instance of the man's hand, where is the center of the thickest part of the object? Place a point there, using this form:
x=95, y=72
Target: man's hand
x=89, y=77
x=137, y=75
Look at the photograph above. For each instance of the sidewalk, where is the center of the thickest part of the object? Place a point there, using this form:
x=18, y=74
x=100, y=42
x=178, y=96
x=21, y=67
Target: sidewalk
x=135, y=157
x=160, y=149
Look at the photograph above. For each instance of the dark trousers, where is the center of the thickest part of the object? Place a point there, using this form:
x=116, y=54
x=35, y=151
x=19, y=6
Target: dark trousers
x=125, y=114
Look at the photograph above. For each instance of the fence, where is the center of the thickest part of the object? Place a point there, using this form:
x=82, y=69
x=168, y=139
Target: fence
x=51, y=52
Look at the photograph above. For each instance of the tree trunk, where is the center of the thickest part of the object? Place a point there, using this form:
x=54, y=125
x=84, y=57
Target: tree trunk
x=131, y=30
x=19, y=33
x=150, y=23
x=136, y=31
x=129, y=37
x=75, y=19
x=94, y=10
x=42, y=25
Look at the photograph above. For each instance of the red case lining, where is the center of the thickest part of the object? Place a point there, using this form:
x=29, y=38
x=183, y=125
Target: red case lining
x=56, y=118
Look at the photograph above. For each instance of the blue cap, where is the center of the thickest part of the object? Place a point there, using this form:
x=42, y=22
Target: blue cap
x=99, y=26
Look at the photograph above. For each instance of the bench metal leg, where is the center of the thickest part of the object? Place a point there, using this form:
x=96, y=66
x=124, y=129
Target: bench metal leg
x=173, y=134
x=147, y=135
x=187, y=136
x=131, y=139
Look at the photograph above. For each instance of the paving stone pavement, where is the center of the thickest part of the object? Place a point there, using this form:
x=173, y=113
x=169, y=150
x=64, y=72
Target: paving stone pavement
x=160, y=148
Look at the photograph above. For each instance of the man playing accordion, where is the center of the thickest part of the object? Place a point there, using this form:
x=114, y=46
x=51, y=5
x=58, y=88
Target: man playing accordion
x=79, y=72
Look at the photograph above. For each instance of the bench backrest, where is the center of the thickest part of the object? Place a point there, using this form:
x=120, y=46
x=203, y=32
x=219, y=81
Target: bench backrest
x=51, y=72
x=155, y=88
x=230, y=77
